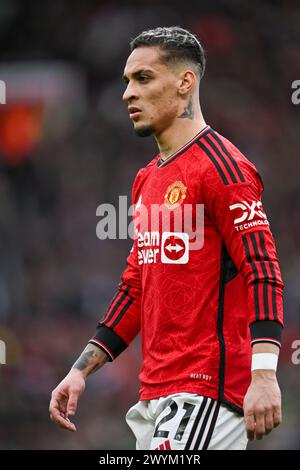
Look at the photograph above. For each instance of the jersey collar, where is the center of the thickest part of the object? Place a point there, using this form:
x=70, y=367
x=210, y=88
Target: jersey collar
x=161, y=162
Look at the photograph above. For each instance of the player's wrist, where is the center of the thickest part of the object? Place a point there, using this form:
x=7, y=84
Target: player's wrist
x=75, y=372
x=264, y=361
x=262, y=374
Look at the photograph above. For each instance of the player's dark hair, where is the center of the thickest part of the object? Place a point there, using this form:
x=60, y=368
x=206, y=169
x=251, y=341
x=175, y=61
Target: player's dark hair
x=177, y=43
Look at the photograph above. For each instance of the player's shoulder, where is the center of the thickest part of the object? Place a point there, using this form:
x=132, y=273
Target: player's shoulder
x=142, y=174
x=222, y=161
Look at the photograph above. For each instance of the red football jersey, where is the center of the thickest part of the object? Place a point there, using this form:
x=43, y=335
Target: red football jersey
x=199, y=305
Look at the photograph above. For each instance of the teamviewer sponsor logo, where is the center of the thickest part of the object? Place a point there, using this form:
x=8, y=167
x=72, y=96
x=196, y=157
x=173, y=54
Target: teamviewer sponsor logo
x=175, y=248
x=251, y=215
x=169, y=248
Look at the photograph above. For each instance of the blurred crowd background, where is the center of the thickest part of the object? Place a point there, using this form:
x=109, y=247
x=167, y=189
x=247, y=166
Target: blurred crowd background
x=67, y=145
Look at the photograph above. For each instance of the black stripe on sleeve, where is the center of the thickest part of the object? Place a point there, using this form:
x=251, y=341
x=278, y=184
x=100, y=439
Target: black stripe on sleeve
x=264, y=269
x=225, y=162
x=122, y=297
x=110, y=339
x=255, y=272
x=214, y=161
x=121, y=314
x=266, y=256
x=228, y=154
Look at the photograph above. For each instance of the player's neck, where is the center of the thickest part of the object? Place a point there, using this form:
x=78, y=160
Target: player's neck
x=182, y=131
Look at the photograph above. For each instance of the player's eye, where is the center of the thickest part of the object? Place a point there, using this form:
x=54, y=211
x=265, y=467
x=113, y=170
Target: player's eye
x=143, y=78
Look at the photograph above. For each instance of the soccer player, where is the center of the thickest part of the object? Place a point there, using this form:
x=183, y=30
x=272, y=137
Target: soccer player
x=210, y=316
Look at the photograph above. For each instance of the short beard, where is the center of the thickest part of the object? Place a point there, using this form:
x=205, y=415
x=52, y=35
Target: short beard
x=144, y=131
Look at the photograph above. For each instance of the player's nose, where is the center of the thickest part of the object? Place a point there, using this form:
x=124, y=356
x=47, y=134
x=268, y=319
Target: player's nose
x=129, y=94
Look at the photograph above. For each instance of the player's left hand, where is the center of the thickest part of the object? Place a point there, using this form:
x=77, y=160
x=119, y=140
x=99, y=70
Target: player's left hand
x=262, y=404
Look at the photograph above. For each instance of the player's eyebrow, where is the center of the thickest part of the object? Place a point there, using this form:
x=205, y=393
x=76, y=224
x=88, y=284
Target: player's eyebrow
x=137, y=73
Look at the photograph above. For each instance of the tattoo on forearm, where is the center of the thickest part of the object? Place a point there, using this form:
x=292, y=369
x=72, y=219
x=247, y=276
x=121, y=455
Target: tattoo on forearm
x=84, y=360
x=188, y=111
x=90, y=359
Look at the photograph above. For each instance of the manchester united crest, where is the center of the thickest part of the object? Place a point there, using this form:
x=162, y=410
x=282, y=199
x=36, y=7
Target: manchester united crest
x=175, y=195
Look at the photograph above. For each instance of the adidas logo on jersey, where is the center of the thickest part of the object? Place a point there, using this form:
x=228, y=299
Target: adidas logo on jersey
x=164, y=446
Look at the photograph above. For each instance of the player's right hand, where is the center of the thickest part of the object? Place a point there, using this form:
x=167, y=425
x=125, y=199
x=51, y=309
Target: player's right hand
x=64, y=399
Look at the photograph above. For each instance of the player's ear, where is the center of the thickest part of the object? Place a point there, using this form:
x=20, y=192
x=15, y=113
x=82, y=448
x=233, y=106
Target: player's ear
x=187, y=81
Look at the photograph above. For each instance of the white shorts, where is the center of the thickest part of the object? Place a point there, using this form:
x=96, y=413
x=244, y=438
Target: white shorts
x=186, y=421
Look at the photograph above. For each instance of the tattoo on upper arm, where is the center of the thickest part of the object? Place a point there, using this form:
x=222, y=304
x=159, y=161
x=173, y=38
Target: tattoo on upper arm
x=188, y=112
